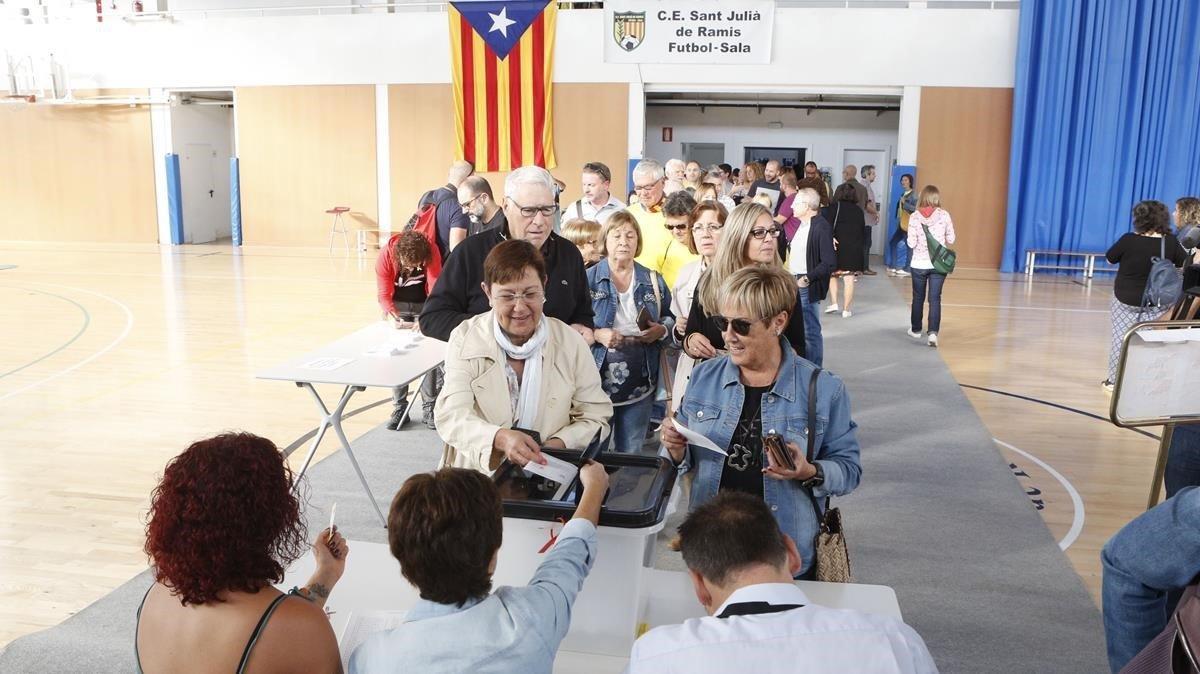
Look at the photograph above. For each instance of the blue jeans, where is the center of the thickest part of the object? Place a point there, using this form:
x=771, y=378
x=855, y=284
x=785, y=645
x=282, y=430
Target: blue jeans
x=1145, y=563
x=629, y=423
x=1183, y=459
x=921, y=278
x=814, y=346
x=899, y=247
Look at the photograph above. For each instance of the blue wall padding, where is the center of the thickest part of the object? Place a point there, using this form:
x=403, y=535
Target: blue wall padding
x=235, y=201
x=174, y=199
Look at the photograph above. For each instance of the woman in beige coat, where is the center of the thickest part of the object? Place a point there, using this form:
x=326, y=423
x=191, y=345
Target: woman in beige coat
x=515, y=368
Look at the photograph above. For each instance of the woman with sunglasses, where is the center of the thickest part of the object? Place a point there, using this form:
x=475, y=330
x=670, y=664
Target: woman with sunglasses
x=762, y=387
x=633, y=319
x=751, y=238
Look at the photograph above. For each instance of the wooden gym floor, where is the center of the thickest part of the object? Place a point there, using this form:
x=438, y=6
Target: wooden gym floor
x=115, y=357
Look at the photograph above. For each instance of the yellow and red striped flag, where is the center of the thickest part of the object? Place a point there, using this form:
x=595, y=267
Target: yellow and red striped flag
x=503, y=58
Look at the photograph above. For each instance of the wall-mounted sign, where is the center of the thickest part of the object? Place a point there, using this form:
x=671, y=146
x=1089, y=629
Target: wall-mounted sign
x=668, y=134
x=688, y=31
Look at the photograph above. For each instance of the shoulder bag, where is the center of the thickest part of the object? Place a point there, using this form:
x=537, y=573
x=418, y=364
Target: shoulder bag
x=665, y=388
x=831, y=554
x=941, y=257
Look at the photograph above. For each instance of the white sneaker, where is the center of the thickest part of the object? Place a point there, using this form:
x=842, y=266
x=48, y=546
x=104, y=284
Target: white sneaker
x=914, y=335
x=831, y=309
x=933, y=340
x=846, y=314
x=891, y=272
x=901, y=272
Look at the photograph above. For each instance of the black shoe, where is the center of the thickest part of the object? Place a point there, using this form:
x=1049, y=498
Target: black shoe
x=397, y=419
x=427, y=417
x=870, y=272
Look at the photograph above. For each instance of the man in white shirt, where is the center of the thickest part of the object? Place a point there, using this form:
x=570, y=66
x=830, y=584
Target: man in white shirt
x=741, y=565
x=870, y=216
x=598, y=202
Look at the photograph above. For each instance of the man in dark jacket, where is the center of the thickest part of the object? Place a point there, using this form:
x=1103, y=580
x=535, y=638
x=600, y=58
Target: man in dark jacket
x=812, y=260
x=529, y=210
x=452, y=222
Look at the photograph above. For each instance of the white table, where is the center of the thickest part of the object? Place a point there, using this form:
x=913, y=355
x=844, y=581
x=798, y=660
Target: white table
x=372, y=582
x=420, y=355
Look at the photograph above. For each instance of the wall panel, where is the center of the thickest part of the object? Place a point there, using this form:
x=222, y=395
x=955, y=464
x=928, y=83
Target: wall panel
x=590, y=124
x=77, y=173
x=303, y=150
x=963, y=148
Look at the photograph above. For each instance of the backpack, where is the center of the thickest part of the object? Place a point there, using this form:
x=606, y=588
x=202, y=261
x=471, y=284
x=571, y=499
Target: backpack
x=1164, y=286
x=425, y=222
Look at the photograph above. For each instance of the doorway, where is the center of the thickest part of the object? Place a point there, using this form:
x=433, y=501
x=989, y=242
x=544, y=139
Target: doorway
x=706, y=154
x=202, y=135
x=880, y=159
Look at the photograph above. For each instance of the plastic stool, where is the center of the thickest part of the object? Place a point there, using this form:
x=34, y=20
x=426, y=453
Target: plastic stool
x=339, y=226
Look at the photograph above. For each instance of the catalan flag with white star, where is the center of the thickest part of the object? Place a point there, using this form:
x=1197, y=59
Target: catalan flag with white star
x=503, y=56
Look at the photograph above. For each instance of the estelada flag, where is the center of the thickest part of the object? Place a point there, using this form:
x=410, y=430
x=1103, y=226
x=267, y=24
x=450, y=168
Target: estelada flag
x=503, y=56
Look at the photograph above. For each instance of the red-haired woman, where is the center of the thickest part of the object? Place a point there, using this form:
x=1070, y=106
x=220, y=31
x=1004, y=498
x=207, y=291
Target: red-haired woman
x=224, y=525
x=403, y=280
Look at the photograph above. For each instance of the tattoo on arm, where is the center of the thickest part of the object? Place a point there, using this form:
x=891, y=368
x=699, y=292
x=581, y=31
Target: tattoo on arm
x=318, y=590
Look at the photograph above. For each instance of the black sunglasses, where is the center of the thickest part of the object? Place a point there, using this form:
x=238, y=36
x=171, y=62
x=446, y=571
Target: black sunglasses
x=677, y=228
x=741, y=326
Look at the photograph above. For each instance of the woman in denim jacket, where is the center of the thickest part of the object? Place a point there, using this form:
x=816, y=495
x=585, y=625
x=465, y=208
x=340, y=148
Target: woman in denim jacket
x=761, y=386
x=627, y=356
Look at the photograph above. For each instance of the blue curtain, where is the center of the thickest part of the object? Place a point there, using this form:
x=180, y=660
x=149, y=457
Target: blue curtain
x=1106, y=113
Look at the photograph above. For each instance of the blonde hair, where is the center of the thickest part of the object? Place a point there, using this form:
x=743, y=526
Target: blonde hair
x=579, y=230
x=788, y=179
x=705, y=189
x=762, y=200
x=1189, y=211
x=763, y=291
x=930, y=196
x=615, y=221
x=751, y=172
x=731, y=254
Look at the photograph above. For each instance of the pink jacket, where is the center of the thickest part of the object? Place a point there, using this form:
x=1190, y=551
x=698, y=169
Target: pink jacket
x=939, y=224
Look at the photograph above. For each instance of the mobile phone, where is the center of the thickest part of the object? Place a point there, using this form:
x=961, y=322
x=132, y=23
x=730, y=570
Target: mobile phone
x=644, y=320
x=774, y=444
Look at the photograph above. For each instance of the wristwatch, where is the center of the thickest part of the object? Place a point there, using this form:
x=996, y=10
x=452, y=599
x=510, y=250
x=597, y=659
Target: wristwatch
x=816, y=480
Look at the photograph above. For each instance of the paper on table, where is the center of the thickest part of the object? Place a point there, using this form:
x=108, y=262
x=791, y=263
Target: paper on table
x=697, y=439
x=555, y=470
x=360, y=626
x=326, y=363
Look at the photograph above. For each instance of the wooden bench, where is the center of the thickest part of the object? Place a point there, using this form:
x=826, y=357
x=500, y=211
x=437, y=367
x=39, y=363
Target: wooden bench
x=364, y=238
x=1088, y=267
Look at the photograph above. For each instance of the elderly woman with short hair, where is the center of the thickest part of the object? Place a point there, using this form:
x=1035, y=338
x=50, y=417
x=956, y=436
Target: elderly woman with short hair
x=513, y=369
x=761, y=387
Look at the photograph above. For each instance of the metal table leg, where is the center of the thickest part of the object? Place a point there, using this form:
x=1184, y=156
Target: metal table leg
x=334, y=419
x=1160, y=465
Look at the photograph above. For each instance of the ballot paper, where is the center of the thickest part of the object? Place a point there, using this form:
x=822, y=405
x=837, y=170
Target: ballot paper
x=326, y=363
x=361, y=625
x=697, y=439
x=556, y=470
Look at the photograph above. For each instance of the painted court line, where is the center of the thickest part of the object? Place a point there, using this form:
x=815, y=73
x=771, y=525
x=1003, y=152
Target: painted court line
x=1076, y=499
x=87, y=319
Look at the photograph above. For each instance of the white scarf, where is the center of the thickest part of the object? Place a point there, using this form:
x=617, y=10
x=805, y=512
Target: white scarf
x=531, y=377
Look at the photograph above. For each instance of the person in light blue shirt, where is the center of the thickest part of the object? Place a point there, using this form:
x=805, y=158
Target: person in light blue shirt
x=445, y=529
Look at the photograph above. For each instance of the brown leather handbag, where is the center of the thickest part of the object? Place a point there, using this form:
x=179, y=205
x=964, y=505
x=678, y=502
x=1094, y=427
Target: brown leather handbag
x=831, y=553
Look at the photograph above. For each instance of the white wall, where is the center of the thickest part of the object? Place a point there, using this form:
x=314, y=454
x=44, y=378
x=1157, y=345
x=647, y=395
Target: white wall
x=825, y=133
x=211, y=125
x=974, y=48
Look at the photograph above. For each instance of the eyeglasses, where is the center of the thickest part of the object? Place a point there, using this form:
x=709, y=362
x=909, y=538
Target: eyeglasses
x=677, y=228
x=710, y=227
x=741, y=326
x=530, y=211
x=647, y=188
x=467, y=204
x=528, y=297
x=760, y=233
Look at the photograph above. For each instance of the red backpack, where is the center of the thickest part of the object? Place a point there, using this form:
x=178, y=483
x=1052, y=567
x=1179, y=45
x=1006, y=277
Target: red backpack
x=425, y=222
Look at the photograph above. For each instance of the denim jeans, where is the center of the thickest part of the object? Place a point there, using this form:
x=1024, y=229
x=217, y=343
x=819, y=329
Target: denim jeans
x=1146, y=562
x=629, y=423
x=1183, y=458
x=814, y=346
x=899, y=247
x=920, y=278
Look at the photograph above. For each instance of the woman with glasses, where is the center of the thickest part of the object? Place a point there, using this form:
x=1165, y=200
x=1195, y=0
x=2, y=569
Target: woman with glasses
x=708, y=221
x=762, y=387
x=517, y=380
x=633, y=318
x=750, y=239
x=849, y=231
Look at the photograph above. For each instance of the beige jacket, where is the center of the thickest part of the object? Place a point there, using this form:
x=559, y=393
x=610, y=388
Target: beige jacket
x=474, y=402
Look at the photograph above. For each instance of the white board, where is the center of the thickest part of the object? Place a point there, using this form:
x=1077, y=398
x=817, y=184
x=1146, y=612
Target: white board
x=1159, y=377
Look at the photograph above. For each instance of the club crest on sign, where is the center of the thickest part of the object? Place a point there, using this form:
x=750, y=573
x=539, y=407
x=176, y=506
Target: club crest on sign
x=629, y=29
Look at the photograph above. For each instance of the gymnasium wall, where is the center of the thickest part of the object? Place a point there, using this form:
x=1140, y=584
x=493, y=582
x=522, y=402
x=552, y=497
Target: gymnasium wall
x=963, y=148
x=422, y=140
x=303, y=150
x=77, y=173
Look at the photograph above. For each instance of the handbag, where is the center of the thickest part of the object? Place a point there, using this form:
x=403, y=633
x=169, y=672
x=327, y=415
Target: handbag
x=940, y=256
x=665, y=387
x=831, y=553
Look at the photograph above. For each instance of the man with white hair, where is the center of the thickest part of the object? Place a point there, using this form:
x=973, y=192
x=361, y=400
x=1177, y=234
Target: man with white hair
x=676, y=170
x=529, y=211
x=452, y=222
x=769, y=185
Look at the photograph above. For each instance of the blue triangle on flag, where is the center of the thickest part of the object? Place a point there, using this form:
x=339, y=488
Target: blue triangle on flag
x=501, y=24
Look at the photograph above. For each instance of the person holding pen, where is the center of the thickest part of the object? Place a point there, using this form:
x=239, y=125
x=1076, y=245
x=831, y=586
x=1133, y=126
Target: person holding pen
x=445, y=530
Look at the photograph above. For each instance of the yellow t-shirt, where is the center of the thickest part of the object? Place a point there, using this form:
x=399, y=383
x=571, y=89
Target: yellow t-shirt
x=660, y=250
